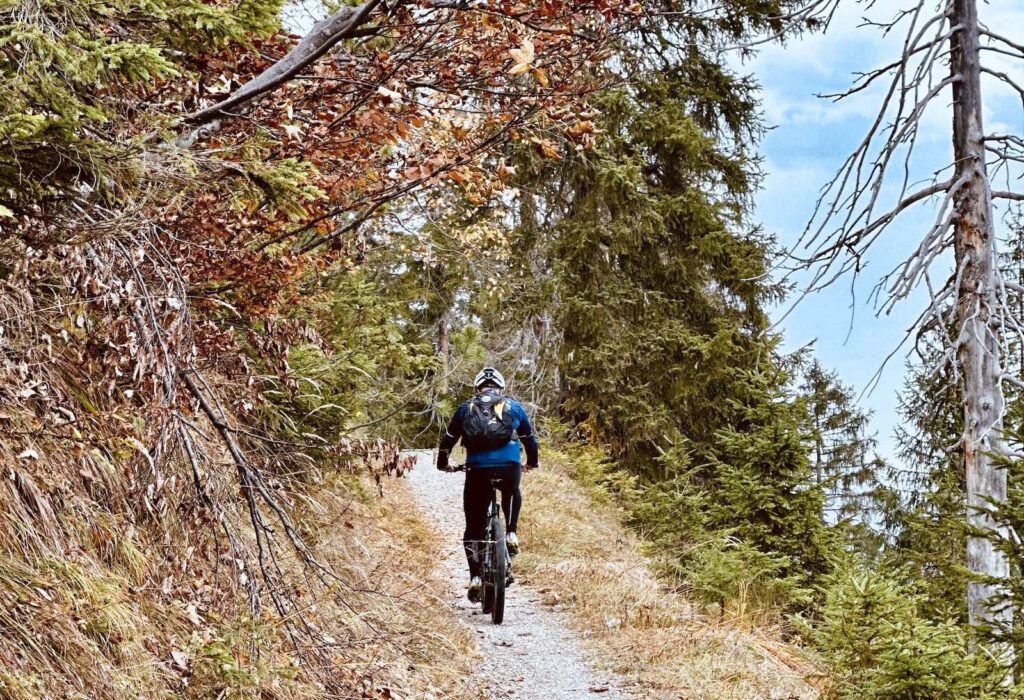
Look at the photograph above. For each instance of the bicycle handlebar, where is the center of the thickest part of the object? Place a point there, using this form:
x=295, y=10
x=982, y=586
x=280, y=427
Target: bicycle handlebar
x=462, y=467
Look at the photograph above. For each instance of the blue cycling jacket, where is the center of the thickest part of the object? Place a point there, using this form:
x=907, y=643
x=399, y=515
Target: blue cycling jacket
x=498, y=457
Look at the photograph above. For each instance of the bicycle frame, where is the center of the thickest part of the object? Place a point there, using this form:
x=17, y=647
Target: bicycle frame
x=492, y=555
x=482, y=548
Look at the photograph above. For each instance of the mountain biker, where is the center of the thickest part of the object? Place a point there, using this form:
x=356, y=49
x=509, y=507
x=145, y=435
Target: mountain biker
x=485, y=463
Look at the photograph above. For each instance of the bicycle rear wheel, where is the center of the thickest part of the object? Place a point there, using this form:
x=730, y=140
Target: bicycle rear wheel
x=487, y=601
x=499, y=559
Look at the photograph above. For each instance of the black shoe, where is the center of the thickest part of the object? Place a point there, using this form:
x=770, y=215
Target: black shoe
x=473, y=592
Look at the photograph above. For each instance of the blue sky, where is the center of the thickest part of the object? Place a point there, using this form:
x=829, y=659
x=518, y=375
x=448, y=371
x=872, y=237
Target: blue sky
x=810, y=139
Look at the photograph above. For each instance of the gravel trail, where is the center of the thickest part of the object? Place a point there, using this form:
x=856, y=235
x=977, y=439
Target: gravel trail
x=533, y=655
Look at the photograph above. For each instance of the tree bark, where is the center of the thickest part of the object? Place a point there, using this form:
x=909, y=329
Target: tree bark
x=978, y=346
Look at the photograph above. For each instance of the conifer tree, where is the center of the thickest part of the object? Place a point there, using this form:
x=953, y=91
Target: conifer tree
x=926, y=523
x=655, y=278
x=842, y=456
x=69, y=69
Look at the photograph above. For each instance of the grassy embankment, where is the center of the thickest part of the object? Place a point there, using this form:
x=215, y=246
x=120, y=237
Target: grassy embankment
x=579, y=554
x=93, y=605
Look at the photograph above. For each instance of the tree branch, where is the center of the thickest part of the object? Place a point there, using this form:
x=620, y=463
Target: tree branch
x=346, y=23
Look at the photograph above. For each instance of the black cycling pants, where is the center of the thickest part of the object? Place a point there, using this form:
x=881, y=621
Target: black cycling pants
x=476, y=495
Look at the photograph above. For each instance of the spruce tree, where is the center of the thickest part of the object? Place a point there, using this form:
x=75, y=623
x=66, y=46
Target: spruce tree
x=656, y=281
x=926, y=523
x=842, y=457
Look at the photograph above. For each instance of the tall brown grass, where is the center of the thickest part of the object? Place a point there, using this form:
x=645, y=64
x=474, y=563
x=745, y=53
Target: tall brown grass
x=578, y=553
x=111, y=620
x=129, y=562
x=102, y=597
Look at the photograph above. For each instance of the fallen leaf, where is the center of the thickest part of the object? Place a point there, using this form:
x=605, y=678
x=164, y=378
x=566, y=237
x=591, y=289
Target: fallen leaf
x=394, y=97
x=193, y=614
x=547, y=149
x=180, y=659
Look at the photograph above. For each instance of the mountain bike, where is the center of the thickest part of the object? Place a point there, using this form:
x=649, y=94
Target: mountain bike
x=492, y=554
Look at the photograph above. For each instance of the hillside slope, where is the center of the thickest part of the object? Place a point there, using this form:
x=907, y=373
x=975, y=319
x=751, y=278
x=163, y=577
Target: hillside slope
x=123, y=612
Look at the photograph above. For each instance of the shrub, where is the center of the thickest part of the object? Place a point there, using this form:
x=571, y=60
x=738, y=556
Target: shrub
x=745, y=582
x=879, y=645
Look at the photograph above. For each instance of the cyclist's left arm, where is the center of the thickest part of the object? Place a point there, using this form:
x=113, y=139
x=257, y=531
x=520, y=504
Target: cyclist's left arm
x=451, y=436
x=526, y=436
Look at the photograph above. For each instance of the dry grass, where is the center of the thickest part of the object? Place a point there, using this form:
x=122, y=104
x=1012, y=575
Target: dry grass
x=399, y=632
x=112, y=621
x=577, y=552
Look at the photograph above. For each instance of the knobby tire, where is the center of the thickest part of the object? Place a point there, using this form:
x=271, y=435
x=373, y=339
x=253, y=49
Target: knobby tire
x=500, y=568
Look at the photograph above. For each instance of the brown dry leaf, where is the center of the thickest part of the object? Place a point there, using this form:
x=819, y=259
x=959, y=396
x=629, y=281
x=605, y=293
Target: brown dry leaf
x=580, y=128
x=523, y=57
x=547, y=149
x=541, y=77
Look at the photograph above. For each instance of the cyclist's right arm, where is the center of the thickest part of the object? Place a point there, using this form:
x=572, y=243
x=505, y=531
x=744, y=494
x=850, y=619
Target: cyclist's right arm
x=451, y=436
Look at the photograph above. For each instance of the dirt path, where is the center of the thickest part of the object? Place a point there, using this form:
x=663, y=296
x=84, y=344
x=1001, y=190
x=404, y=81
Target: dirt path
x=533, y=655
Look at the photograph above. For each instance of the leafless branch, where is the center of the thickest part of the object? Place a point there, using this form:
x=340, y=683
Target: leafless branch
x=343, y=24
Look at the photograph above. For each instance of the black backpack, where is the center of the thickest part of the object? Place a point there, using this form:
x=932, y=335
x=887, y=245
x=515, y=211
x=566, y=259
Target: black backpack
x=488, y=423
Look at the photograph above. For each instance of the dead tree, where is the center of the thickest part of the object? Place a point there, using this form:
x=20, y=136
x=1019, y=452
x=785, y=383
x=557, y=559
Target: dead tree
x=943, y=61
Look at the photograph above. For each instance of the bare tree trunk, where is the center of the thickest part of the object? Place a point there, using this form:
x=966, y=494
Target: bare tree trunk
x=978, y=346
x=442, y=351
